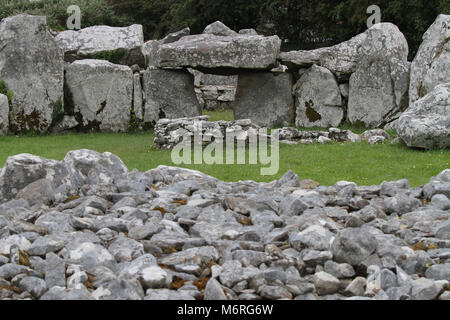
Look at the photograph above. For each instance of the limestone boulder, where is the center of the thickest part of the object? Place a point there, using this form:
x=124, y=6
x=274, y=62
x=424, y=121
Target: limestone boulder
x=265, y=98
x=101, y=93
x=169, y=94
x=318, y=99
x=219, y=29
x=151, y=47
x=122, y=45
x=4, y=115
x=216, y=54
x=426, y=123
x=23, y=169
x=378, y=89
x=431, y=66
x=31, y=64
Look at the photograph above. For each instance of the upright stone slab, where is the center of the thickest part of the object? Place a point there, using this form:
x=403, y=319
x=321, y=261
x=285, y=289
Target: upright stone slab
x=31, y=64
x=426, y=123
x=265, y=98
x=318, y=99
x=121, y=45
x=169, y=94
x=379, y=87
x=138, y=103
x=4, y=115
x=101, y=93
x=431, y=66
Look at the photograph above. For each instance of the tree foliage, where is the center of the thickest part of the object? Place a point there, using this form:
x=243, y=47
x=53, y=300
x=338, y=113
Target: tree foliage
x=302, y=24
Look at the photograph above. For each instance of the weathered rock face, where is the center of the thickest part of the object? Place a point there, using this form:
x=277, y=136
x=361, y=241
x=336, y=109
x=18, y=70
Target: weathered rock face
x=138, y=98
x=119, y=45
x=31, y=64
x=101, y=93
x=318, y=99
x=23, y=169
x=4, y=115
x=379, y=87
x=265, y=98
x=219, y=29
x=431, y=66
x=215, y=92
x=210, y=52
x=426, y=123
x=151, y=47
x=169, y=94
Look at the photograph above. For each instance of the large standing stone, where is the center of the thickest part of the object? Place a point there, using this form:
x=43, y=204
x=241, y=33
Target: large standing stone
x=426, y=123
x=265, y=98
x=208, y=51
x=119, y=45
x=379, y=87
x=31, y=64
x=318, y=99
x=101, y=94
x=169, y=94
x=431, y=66
x=4, y=115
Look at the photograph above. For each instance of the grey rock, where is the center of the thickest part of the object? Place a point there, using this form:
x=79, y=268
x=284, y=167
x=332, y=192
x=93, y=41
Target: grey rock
x=325, y=283
x=61, y=293
x=153, y=277
x=353, y=245
x=292, y=206
x=438, y=272
x=33, y=285
x=357, y=287
x=424, y=289
x=125, y=42
x=125, y=249
x=430, y=67
x=444, y=231
x=101, y=94
x=4, y=115
x=169, y=94
x=90, y=255
x=275, y=293
x=43, y=245
x=388, y=279
x=265, y=98
x=31, y=56
x=55, y=271
x=425, y=124
x=219, y=29
x=381, y=78
x=441, y=202
x=10, y=270
x=166, y=294
x=214, y=291
x=314, y=237
x=208, y=52
x=340, y=271
x=318, y=100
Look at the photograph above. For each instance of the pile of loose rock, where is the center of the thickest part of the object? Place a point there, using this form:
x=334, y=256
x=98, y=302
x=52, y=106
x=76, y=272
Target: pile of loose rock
x=87, y=228
x=170, y=132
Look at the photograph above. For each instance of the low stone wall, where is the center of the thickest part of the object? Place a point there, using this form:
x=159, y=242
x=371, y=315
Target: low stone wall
x=170, y=132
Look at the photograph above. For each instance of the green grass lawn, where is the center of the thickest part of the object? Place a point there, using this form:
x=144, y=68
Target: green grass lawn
x=362, y=163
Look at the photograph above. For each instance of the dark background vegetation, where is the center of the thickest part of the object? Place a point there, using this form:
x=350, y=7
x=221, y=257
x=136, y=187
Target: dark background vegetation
x=302, y=24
